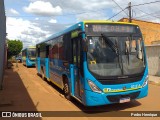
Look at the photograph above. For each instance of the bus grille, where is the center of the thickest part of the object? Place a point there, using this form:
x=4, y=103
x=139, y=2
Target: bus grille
x=116, y=98
x=32, y=60
x=112, y=81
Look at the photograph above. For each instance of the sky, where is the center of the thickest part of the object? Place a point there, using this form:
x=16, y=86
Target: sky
x=32, y=21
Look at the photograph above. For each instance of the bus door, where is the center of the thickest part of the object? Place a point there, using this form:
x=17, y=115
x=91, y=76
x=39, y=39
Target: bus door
x=47, y=62
x=76, y=61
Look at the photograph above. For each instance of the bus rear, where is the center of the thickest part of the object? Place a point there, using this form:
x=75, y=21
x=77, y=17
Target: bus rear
x=115, y=66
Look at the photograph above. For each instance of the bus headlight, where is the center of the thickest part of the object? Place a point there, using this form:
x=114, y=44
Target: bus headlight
x=145, y=81
x=94, y=87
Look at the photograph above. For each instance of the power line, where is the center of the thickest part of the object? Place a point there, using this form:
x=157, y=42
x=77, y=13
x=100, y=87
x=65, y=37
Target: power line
x=116, y=14
x=145, y=3
x=150, y=14
x=119, y=6
x=132, y=6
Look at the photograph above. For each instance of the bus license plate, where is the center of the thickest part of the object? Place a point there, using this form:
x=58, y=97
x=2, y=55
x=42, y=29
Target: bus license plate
x=123, y=100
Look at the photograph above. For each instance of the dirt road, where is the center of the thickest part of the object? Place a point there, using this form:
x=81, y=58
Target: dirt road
x=26, y=91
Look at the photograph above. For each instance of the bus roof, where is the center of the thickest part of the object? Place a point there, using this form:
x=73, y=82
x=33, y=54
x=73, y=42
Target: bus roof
x=106, y=21
x=75, y=26
x=30, y=47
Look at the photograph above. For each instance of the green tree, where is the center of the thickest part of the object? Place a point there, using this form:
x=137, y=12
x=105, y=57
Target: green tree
x=14, y=47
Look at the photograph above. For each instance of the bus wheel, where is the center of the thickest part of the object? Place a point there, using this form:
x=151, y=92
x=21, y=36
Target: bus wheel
x=43, y=76
x=66, y=89
x=42, y=73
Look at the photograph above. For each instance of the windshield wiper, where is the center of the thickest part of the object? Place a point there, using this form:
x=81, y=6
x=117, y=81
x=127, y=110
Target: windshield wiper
x=114, y=49
x=111, y=44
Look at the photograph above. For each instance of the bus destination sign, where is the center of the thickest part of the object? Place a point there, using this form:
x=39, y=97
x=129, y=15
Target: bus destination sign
x=112, y=28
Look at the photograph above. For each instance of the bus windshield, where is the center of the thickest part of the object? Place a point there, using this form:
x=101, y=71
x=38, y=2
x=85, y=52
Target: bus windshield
x=115, y=55
x=32, y=53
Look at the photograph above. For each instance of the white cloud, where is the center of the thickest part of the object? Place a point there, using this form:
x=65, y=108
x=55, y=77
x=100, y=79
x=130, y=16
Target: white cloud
x=91, y=16
x=81, y=5
x=13, y=12
x=52, y=21
x=89, y=9
x=43, y=8
x=29, y=33
x=15, y=26
x=107, y=8
x=36, y=18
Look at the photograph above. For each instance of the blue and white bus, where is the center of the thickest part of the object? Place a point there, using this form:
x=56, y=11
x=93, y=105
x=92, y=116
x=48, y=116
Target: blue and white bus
x=29, y=56
x=96, y=62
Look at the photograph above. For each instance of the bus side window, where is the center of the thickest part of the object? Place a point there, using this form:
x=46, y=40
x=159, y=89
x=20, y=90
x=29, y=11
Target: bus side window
x=74, y=52
x=47, y=51
x=38, y=52
x=67, y=48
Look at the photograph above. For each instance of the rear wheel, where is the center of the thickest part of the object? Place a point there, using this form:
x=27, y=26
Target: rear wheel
x=66, y=89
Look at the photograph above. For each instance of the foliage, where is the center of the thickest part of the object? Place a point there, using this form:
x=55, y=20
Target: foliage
x=14, y=47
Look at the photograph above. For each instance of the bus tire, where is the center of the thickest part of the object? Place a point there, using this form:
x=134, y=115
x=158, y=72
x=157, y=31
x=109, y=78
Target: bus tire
x=66, y=89
x=43, y=76
x=42, y=73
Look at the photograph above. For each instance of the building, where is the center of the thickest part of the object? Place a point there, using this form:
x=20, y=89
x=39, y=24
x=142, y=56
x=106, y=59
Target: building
x=150, y=30
x=2, y=41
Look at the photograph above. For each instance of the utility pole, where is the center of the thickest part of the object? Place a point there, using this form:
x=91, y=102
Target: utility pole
x=130, y=14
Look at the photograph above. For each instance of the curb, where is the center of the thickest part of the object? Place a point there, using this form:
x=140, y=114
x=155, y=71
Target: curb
x=154, y=83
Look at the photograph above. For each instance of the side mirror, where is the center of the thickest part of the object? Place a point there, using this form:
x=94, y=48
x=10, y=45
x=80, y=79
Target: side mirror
x=76, y=33
x=29, y=55
x=66, y=64
x=80, y=33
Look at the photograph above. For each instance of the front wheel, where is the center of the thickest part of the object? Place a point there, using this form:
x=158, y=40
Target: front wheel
x=66, y=89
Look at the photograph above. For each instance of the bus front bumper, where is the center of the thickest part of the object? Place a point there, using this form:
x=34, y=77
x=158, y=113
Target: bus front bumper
x=30, y=63
x=97, y=99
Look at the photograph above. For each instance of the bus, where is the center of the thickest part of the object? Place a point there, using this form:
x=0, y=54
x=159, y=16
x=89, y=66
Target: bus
x=29, y=56
x=96, y=62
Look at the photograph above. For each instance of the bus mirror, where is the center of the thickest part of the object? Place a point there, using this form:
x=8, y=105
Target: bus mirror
x=65, y=64
x=76, y=33
x=85, y=45
x=80, y=33
x=29, y=55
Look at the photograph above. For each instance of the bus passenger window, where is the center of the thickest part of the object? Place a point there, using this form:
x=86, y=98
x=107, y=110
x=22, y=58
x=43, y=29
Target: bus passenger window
x=47, y=51
x=38, y=52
